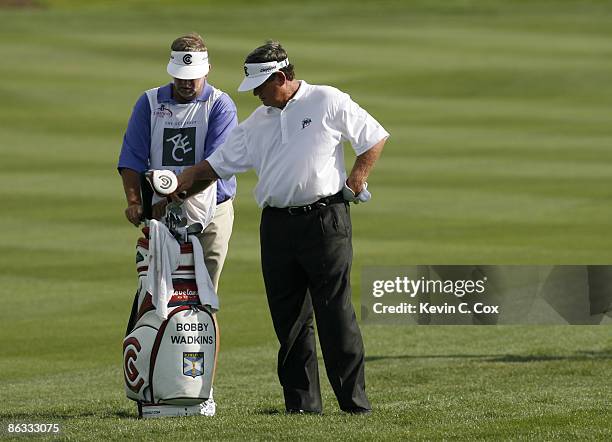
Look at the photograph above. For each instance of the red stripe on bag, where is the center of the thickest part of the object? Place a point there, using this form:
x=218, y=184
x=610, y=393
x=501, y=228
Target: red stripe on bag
x=157, y=343
x=146, y=306
x=185, y=248
x=180, y=268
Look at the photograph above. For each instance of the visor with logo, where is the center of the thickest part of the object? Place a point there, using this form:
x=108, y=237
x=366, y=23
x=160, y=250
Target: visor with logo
x=256, y=73
x=188, y=65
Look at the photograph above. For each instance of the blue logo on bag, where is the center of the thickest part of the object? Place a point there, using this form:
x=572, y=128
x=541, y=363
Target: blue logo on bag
x=193, y=364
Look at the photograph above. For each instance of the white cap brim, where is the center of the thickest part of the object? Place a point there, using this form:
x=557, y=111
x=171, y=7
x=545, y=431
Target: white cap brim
x=250, y=83
x=188, y=72
x=197, y=65
x=256, y=73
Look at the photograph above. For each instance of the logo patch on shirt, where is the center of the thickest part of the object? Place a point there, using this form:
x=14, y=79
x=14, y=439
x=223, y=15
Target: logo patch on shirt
x=179, y=146
x=162, y=112
x=306, y=122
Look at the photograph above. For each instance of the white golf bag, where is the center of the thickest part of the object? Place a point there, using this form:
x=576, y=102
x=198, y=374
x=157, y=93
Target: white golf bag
x=168, y=364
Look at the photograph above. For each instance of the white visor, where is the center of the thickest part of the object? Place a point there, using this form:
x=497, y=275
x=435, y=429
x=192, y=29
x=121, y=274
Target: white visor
x=256, y=73
x=188, y=65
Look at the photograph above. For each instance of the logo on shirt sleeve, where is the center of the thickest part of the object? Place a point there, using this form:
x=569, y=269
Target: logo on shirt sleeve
x=179, y=146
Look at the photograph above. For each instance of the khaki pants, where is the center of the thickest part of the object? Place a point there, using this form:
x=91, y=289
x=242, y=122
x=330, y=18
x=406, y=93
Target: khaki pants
x=215, y=240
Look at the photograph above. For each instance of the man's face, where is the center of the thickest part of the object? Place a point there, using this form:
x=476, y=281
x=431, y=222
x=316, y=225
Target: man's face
x=188, y=90
x=270, y=92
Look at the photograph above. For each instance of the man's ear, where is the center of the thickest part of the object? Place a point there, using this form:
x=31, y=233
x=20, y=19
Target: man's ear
x=280, y=78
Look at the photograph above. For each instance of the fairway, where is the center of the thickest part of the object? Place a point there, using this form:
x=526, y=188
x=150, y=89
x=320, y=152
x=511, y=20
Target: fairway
x=500, y=114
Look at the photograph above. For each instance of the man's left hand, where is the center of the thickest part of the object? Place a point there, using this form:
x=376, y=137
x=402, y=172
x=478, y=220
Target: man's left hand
x=351, y=196
x=354, y=185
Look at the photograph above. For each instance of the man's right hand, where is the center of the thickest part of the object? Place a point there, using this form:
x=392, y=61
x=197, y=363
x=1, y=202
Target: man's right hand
x=186, y=180
x=134, y=213
x=194, y=179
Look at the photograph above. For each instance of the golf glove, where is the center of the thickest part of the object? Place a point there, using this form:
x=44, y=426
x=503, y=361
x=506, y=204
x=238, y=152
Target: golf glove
x=362, y=197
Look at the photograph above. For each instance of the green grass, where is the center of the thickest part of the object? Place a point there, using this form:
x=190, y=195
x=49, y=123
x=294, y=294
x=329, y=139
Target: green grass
x=426, y=383
x=500, y=116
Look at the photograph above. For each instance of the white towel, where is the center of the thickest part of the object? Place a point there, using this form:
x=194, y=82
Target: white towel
x=164, y=258
x=206, y=289
x=198, y=208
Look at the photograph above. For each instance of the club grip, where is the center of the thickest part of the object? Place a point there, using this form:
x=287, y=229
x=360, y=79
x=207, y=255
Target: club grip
x=146, y=196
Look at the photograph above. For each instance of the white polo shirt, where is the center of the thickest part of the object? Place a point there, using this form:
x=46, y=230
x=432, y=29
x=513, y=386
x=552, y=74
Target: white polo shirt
x=297, y=151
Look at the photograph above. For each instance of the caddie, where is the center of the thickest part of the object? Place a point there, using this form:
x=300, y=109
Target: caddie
x=173, y=127
x=294, y=143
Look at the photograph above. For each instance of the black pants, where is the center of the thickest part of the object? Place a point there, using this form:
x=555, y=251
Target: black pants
x=306, y=262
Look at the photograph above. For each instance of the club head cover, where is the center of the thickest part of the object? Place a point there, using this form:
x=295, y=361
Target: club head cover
x=163, y=182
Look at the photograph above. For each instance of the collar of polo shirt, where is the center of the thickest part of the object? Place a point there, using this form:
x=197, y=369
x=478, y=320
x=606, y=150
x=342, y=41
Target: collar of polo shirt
x=303, y=86
x=256, y=73
x=188, y=65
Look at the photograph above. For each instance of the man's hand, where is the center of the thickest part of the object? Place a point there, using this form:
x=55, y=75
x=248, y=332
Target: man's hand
x=134, y=213
x=186, y=180
x=356, y=182
x=196, y=178
x=159, y=209
x=362, y=197
x=131, y=186
x=354, y=185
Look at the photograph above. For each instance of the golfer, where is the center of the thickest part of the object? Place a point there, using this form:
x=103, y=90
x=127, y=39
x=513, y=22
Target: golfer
x=173, y=127
x=294, y=143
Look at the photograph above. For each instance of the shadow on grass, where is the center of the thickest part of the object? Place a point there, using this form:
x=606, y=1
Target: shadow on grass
x=271, y=411
x=50, y=415
x=578, y=356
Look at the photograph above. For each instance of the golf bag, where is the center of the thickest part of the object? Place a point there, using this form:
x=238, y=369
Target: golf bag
x=168, y=363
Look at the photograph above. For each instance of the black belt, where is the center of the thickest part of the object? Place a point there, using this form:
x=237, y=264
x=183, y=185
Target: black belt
x=301, y=210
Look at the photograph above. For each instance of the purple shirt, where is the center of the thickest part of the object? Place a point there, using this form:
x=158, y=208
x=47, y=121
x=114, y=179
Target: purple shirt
x=137, y=139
